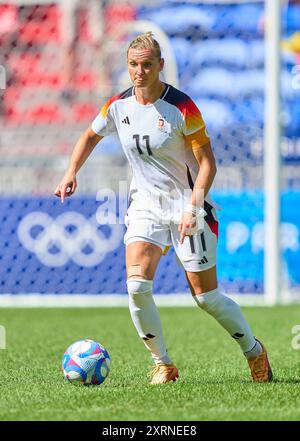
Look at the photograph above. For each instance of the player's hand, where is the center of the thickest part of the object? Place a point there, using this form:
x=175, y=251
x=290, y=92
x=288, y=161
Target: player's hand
x=66, y=187
x=188, y=225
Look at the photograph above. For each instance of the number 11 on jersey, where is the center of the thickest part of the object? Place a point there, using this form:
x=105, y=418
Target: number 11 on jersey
x=145, y=138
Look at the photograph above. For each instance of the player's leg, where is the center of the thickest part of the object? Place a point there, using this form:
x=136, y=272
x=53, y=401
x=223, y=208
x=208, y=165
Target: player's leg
x=142, y=259
x=204, y=289
x=198, y=257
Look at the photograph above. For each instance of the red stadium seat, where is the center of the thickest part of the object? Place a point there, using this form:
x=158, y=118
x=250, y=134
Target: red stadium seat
x=8, y=19
x=117, y=14
x=84, y=112
x=45, y=114
x=41, y=26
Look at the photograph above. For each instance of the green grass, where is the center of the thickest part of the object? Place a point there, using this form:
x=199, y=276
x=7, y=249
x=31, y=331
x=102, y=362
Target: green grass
x=214, y=382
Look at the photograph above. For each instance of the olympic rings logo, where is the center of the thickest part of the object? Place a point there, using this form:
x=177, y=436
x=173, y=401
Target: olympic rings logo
x=70, y=236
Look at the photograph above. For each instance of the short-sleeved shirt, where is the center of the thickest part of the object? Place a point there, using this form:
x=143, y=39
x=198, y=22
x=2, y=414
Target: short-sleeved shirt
x=153, y=139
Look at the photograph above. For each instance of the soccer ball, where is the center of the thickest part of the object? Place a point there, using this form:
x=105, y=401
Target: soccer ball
x=87, y=362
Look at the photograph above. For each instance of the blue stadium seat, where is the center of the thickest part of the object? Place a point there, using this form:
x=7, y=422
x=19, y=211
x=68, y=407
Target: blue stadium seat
x=239, y=18
x=249, y=111
x=178, y=19
x=229, y=51
x=218, y=82
x=182, y=49
x=256, y=53
x=208, y=19
x=288, y=92
x=291, y=17
x=291, y=118
x=215, y=81
x=250, y=82
x=216, y=114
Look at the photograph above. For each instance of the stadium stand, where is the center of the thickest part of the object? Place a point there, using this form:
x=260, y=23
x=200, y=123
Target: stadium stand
x=220, y=54
x=224, y=69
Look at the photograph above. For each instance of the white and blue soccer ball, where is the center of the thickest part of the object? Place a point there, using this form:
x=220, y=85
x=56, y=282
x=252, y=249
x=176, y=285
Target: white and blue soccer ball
x=87, y=362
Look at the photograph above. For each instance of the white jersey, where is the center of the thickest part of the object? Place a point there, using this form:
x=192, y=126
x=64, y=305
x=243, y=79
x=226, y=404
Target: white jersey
x=153, y=139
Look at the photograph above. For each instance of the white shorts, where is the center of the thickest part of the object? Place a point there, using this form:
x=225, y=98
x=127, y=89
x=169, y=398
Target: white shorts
x=197, y=253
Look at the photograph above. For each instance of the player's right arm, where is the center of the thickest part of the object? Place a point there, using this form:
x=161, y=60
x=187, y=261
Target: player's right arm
x=83, y=148
x=102, y=125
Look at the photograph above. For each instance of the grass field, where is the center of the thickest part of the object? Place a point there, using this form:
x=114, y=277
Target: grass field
x=214, y=383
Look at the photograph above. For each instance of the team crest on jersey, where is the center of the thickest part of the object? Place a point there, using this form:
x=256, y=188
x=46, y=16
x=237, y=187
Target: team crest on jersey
x=163, y=125
x=160, y=122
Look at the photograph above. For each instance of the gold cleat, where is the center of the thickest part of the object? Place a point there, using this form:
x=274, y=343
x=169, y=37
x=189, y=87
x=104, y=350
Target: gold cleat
x=163, y=373
x=260, y=367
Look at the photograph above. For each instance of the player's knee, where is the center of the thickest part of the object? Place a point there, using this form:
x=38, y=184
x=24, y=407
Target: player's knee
x=214, y=302
x=201, y=301
x=139, y=286
x=207, y=300
x=140, y=293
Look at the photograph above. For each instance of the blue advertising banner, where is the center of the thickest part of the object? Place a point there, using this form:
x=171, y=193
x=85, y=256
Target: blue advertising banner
x=47, y=247
x=241, y=244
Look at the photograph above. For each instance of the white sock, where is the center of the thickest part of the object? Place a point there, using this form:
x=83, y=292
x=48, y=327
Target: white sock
x=146, y=318
x=229, y=315
x=255, y=351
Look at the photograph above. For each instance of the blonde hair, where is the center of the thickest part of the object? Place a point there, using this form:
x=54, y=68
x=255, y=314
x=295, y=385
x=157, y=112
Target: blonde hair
x=145, y=41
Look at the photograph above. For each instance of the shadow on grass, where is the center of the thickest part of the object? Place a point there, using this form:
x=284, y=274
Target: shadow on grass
x=235, y=381
x=286, y=381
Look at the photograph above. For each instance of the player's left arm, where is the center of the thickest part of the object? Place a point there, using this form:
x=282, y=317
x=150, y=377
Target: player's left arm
x=207, y=165
x=200, y=144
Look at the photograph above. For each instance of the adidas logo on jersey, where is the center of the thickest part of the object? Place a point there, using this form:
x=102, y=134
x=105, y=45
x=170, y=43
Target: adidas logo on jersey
x=126, y=120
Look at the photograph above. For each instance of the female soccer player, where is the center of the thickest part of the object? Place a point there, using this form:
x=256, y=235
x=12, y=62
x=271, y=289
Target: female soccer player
x=165, y=141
